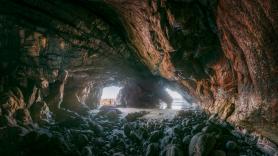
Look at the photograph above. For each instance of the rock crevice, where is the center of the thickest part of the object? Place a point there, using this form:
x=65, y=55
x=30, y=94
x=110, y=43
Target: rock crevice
x=222, y=53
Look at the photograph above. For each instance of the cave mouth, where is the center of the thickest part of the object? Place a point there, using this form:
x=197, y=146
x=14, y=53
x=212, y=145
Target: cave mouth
x=109, y=95
x=58, y=57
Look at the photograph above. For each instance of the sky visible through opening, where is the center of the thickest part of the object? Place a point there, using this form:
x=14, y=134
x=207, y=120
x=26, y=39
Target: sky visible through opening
x=110, y=92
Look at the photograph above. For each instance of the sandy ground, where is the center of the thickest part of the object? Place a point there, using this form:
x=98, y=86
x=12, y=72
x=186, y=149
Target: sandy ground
x=157, y=113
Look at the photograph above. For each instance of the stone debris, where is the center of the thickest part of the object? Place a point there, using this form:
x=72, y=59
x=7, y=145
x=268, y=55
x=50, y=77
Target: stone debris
x=105, y=133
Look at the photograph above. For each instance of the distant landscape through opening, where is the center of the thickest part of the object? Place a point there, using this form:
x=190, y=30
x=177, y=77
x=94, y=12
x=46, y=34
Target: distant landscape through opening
x=109, y=95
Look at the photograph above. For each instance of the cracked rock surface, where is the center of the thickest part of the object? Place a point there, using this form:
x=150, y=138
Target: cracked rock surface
x=57, y=56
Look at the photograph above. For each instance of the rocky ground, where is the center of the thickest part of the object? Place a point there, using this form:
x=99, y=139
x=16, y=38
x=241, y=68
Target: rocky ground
x=107, y=133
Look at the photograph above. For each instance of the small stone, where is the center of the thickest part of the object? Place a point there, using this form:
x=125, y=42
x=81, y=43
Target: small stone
x=218, y=153
x=31, y=137
x=45, y=137
x=165, y=141
x=134, y=137
x=23, y=116
x=82, y=140
x=134, y=116
x=155, y=136
x=86, y=151
x=197, y=128
x=40, y=113
x=152, y=149
x=267, y=146
x=177, y=130
x=231, y=145
x=118, y=154
x=211, y=128
x=97, y=128
x=127, y=129
x=172, y=150
x=186, y=139
x=201, y=144
x=176, y=140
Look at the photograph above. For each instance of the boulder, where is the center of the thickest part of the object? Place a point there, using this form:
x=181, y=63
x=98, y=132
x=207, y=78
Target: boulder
x=12, y=101
x=267, y=146
x=231, y=145
x=152, y=149
x=155, y=136
x=201, y=144
x=87, y=151
x=172, y=150
x=40, y=113
x=23, y=116
x=218, y=153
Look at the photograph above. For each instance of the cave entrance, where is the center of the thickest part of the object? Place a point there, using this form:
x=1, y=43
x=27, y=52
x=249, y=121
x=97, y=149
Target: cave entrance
x=109, y=95
x=178, y=102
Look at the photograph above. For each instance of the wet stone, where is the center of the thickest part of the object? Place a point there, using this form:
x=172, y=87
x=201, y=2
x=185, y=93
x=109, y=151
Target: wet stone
x=134, y=116
x=172, y=150
x=23, y=116
x=201, y=144
x=152, y=149
x=98, y=134
x=186, y=139
x=218, y=153
x=197, y=128
x=231, y=145
x=118, y=154
x=155, y=136
x=86, y=151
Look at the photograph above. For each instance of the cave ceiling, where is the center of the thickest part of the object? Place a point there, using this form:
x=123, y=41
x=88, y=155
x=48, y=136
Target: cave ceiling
x=222, y=53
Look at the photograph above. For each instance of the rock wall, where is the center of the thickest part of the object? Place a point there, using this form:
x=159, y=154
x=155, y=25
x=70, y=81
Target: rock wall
x=147, y=93
x=222, y=53
x=42, y=71
x=248, y=35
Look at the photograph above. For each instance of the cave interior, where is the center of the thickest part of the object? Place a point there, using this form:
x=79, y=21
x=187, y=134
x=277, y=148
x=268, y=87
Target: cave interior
x=59, y=58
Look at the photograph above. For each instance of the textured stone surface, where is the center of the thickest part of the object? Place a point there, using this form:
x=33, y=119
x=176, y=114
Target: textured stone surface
x=143, y=93
x=222, y=53
x=248, y=35
x=40, y=113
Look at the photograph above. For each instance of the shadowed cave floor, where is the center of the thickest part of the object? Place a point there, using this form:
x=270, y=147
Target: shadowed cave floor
x=129, y=131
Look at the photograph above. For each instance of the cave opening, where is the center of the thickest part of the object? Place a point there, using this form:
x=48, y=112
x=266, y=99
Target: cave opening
x=109, y=95
x=120, y=78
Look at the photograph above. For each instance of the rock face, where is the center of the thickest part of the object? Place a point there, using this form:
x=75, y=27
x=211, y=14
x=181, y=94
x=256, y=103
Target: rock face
x=40, y=112
x=222, y=53
x=143, y=93
x=248, y=35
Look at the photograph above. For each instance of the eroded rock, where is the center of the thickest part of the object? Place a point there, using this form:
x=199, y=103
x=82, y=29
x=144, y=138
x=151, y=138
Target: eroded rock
x=40, y=113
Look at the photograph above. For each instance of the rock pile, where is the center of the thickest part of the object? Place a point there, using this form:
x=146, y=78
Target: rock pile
x=106, y=133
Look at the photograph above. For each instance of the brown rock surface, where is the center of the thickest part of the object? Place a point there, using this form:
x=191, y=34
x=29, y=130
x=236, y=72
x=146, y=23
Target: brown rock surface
x=222, y=53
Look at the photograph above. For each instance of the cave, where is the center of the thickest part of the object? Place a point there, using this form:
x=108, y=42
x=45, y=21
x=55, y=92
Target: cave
x=139, y=77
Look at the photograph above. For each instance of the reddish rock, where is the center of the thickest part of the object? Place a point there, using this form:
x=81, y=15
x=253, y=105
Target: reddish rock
x=223, y=54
